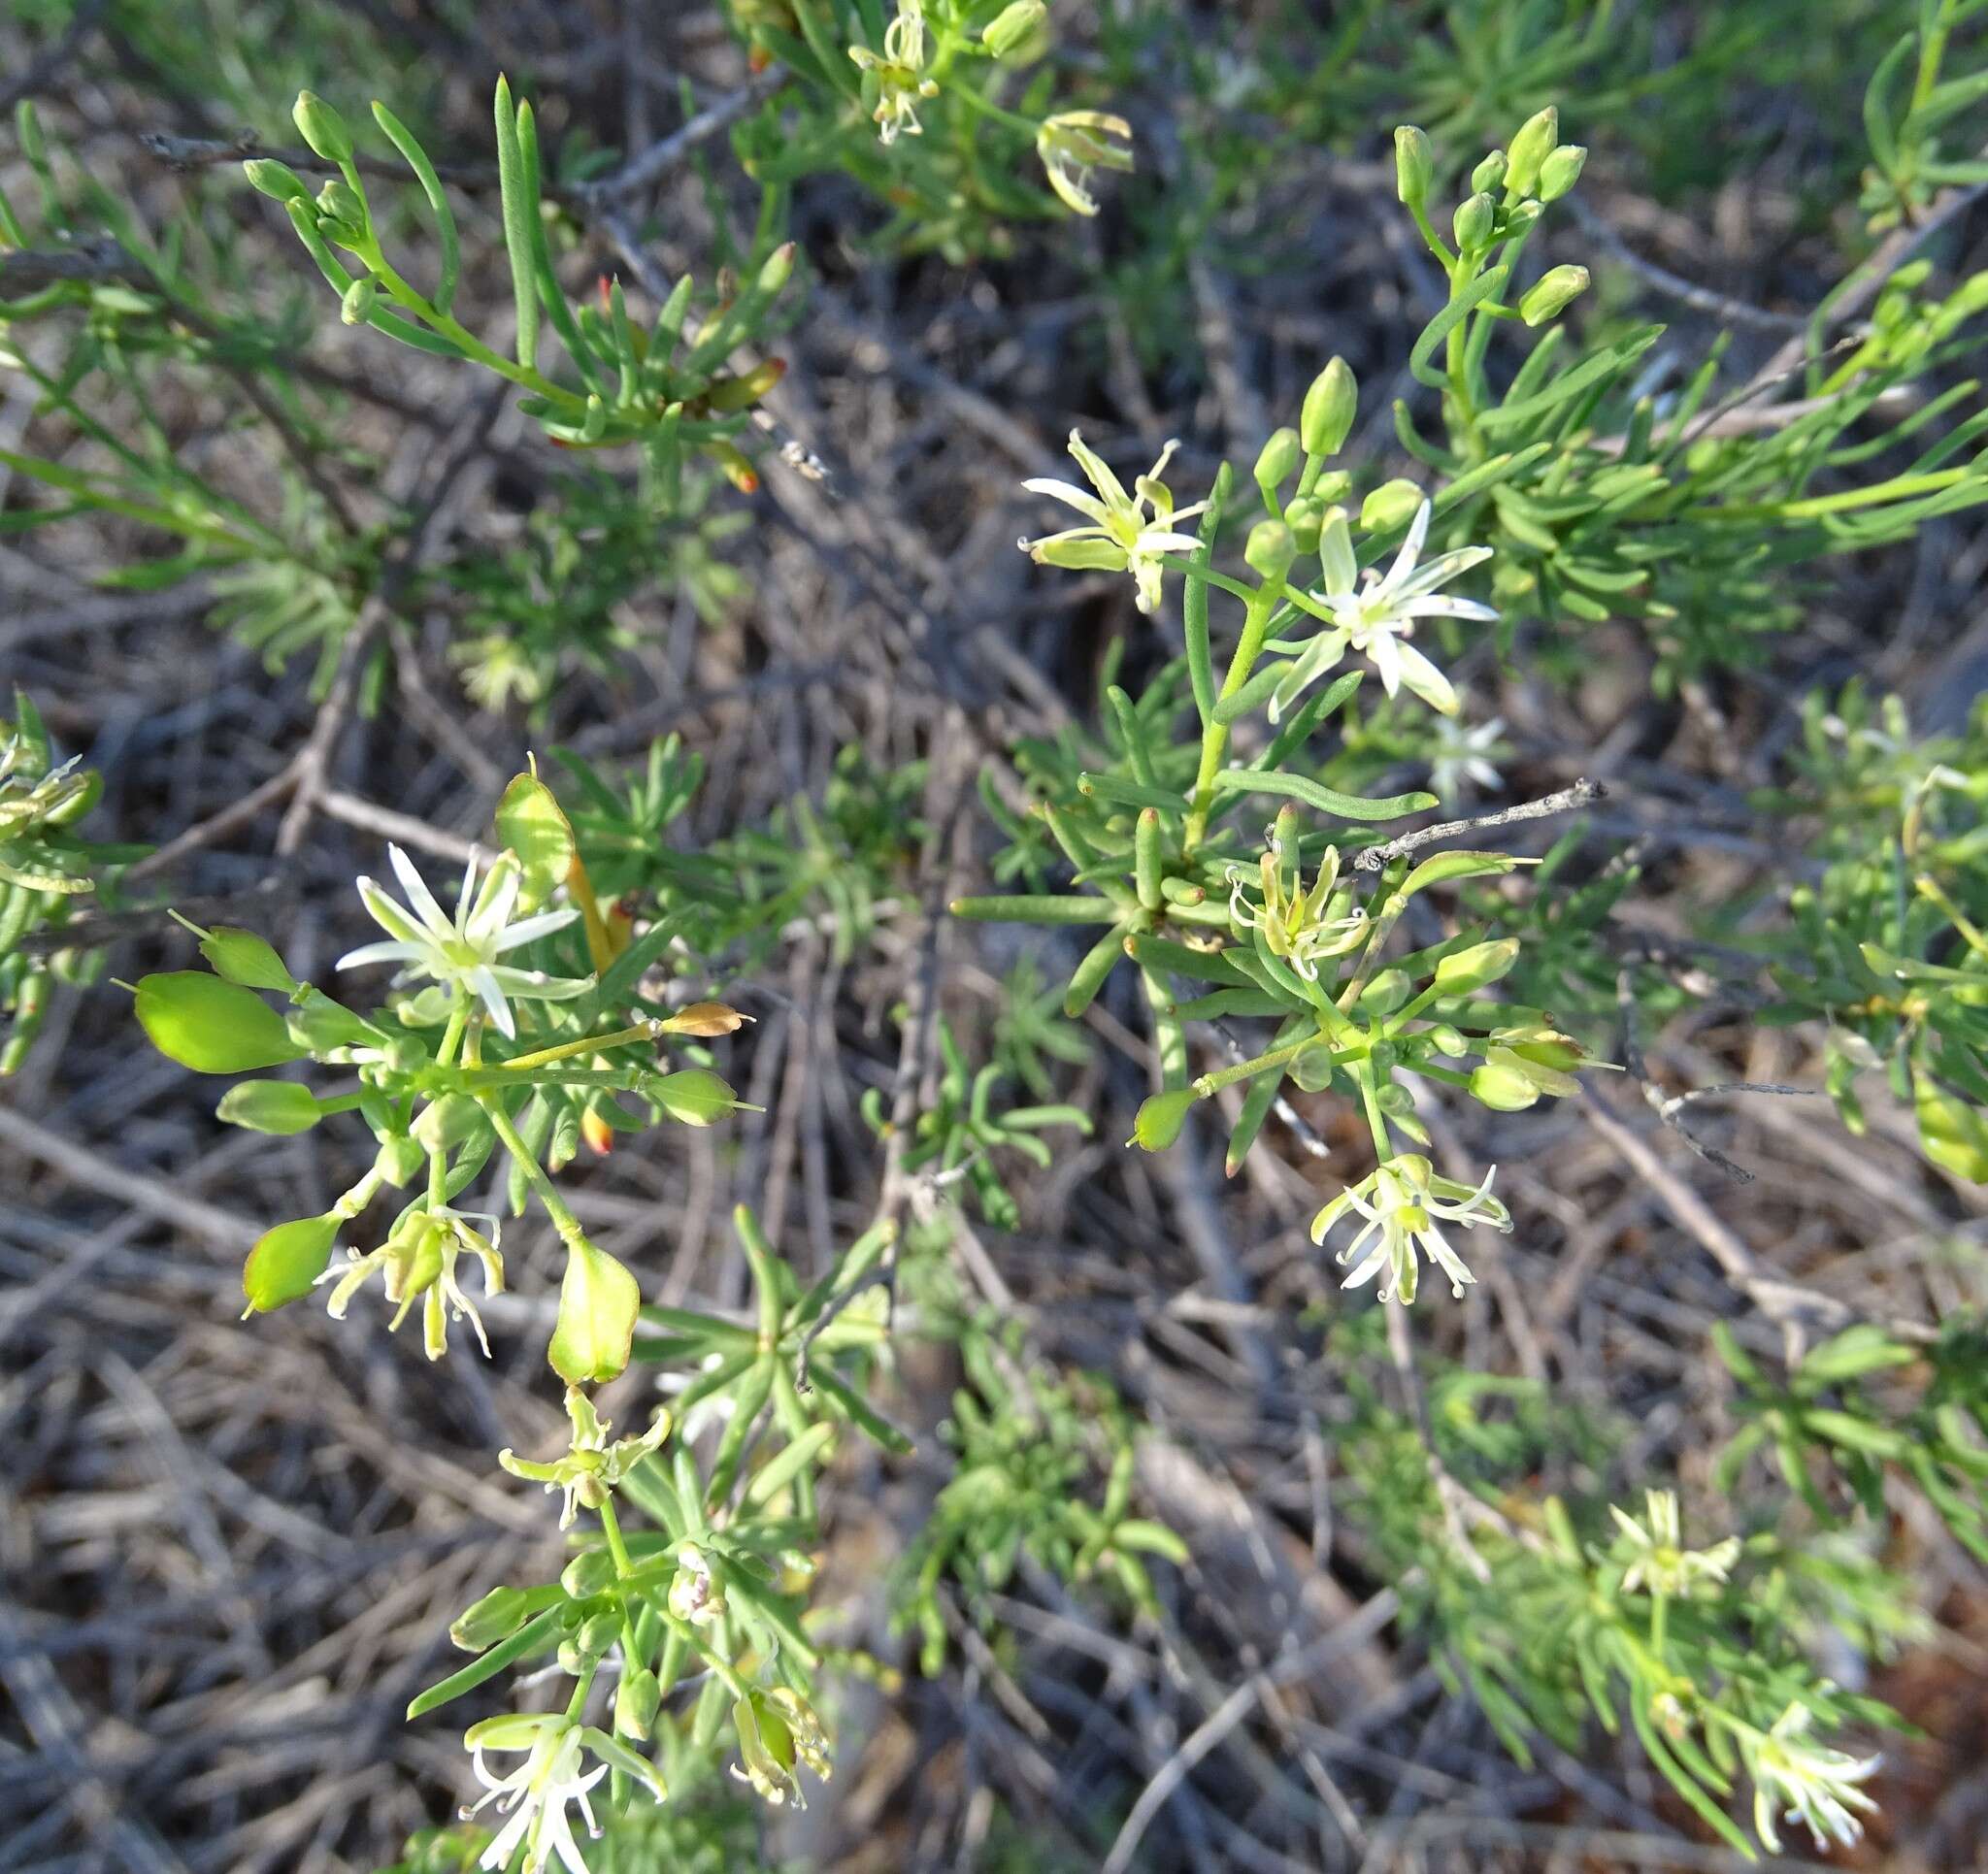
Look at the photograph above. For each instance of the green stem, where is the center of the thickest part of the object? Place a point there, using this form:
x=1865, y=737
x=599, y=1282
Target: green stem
x=1215, y=738
x=586, y=1045
x=563, y=1220
x=1370, y=1099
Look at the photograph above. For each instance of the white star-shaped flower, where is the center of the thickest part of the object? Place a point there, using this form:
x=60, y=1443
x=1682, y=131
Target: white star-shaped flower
x=1127, y=533
x=464, y=949
x=1375, y=613
x=1807, y=1781
x=1402, y=1202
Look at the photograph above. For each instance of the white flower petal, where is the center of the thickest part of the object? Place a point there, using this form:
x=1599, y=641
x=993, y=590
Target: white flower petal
x=420, y=898
x=380, y=953
x=527, y=929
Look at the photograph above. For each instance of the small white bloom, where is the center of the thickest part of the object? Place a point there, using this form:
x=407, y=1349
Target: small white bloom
x=1465, y=755
x=1659, y=1559
x=1376, y=614
x=1402, y=1202
x=417, y=1262
x=592, y=1465
x=1127, y=533
x=463, y=949
x=533, y=1798
x=1808, y=1780
x=900, y=74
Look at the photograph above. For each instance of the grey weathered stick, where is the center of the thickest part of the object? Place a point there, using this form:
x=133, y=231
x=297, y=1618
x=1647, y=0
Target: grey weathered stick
x=1580, y=795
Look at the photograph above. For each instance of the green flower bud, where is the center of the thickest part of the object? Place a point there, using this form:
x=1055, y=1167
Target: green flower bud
x=777, y=270
x=274, y=179
x=341, y=214
x=319, y=1025
x=1502, y=1087
x=322, y=128
x=1537, y=138
x=1005, y=34
x=594, y=425
x=449, y=1123
x=1414, y=165
x=496, y=1617
x=1463, y=972
x=288, y=1261
x=1490, y=172
x=1306, y=518
x=1552, y=293
x=27, y=130
x=1312, y=1072
x=279, y=1106
x=589, y=1574
x=1277, y=460
x=598, y=1632
x=1269, y=549
x=1160, y=1119
x=243, y=957
x=1386, y=992
x=211, y=1026
x=1473, y=222
x=1520, y=216
x=400, y=1159
x=1390, y=505
x=637, y=1701
x=356, y=306
x=1330, y=406
x=1561, y=171
x=1445, y=1039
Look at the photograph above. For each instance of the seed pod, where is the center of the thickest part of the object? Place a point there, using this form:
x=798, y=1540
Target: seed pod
x=279, y=1106
x=211, y=1026
x=288, y=1261
x=243, y=957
